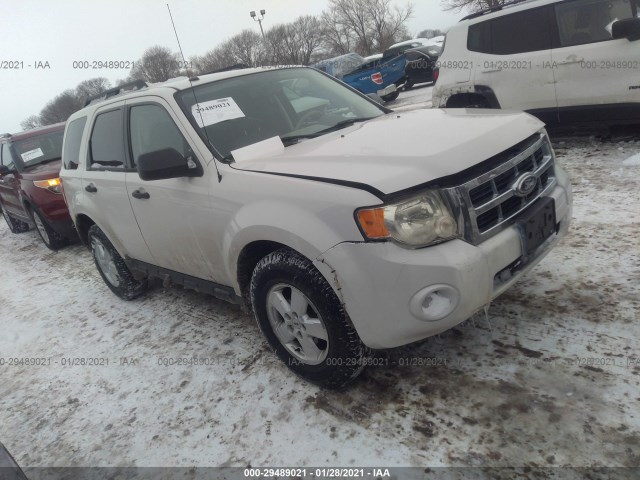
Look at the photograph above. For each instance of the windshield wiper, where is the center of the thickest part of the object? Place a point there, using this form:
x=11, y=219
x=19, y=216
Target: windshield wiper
x=293, y=139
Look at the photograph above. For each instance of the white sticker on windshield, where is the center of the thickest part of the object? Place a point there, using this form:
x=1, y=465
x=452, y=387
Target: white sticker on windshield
x=216, y=111
x=31, y=154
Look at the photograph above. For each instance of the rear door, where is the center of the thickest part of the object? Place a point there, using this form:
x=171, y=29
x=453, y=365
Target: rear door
x=592, y=69
x=10, y=183
x=104, y=184
x=175, y=215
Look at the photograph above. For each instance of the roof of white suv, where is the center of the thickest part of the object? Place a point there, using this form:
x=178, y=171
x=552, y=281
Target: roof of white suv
x=178, y=83
x=182, y=83
x=508, y=7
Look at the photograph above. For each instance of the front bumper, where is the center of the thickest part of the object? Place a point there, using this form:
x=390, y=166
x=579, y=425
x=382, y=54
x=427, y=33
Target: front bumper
x=378, y=283
x=388, y=90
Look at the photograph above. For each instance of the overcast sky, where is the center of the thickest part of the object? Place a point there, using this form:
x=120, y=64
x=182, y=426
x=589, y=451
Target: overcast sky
x=63, y=31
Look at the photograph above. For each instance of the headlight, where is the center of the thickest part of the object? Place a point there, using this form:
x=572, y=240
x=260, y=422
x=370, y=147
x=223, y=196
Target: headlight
x=418, y=222
x=53, y=185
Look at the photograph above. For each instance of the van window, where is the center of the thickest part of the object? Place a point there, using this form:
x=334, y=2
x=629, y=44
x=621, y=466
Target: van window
x=589, y=21
x=521, y=32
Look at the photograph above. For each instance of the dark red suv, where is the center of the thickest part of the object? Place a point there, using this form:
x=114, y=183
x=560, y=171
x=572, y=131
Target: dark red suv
x=30, y=188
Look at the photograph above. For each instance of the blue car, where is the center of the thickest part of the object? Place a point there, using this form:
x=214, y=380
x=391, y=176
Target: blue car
x=382, y=76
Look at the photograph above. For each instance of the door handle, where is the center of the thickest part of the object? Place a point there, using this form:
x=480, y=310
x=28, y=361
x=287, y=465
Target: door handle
x=91, y=188
x=140, y=194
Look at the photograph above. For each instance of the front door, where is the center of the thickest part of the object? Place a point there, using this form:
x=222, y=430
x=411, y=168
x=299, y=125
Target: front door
x=174, y=215
x=593, y=71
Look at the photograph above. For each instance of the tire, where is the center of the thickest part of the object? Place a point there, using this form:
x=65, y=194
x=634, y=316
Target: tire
x=52, y=240
x=391, y=97
x=15, y=225
x=333, y=355
x=112, y=267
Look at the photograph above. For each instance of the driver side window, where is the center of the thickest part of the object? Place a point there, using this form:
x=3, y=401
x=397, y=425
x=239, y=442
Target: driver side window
x=152, y=129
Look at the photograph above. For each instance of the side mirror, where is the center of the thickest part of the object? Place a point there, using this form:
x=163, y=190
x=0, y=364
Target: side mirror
x=628, y=28
x=4, y=170
x=164, y=164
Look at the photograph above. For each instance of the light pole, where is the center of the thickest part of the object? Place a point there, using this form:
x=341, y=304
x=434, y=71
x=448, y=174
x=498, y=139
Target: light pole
x=258, y=19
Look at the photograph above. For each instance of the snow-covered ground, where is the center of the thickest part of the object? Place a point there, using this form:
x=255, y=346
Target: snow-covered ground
x=550, y=378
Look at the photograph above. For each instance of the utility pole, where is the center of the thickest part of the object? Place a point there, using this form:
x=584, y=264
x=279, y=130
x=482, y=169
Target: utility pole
x=258, y=19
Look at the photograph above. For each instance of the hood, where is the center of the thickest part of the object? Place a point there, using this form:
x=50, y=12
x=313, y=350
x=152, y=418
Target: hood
x=401, y=150
x=43, y=171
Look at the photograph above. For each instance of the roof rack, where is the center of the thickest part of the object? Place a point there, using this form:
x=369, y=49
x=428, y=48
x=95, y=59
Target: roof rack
x=112, y=92
x=237, y=66
x=495, y=8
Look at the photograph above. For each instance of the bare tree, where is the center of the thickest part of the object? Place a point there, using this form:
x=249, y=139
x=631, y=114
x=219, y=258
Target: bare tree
x=91, y=87
x=370, y=25
x=219, y=57
x=60, y=108
x=338, y=39
x=247, y=47
x=388, y=25
x=68, y=102
x=157, y=64
x=310, y=34
x=294, y=43
x=472, y=5
x=30, y=122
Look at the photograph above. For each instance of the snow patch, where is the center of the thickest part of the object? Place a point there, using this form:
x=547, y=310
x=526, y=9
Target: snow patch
x=633, y=161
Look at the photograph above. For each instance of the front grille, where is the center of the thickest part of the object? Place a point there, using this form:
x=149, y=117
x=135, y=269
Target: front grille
x=490, y=202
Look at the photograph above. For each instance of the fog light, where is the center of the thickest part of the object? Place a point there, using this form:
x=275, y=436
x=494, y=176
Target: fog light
x=434, y=303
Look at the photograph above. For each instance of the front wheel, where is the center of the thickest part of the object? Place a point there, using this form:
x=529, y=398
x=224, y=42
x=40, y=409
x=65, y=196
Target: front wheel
x=51, y=239
x=112, y=267
x=304, y=322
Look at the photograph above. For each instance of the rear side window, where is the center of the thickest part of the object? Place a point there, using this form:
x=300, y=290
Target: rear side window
x=72, y=137
x=107, y=141
x=521, y=32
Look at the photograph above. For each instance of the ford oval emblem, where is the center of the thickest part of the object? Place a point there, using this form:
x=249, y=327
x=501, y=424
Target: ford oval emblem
x=525, y=185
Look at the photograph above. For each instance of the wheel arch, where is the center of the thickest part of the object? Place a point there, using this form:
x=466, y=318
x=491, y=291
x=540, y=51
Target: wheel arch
x=83, y=224
x=247, y=260
x=480, y=93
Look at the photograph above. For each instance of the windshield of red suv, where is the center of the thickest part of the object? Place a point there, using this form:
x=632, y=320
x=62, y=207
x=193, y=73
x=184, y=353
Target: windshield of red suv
x=293, y=104
x=39, y=149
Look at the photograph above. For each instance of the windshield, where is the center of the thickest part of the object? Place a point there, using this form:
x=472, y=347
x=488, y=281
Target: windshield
x=39, y=149
x=288, y=103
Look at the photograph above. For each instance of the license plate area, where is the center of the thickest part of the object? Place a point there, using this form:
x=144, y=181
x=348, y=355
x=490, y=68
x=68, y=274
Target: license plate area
x=538, y=223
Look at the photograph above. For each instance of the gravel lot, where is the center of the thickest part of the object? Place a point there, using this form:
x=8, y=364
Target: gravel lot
x=550, y=377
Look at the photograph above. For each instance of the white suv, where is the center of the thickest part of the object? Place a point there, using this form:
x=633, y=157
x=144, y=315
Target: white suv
x=341, y=224
x=564, y=61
